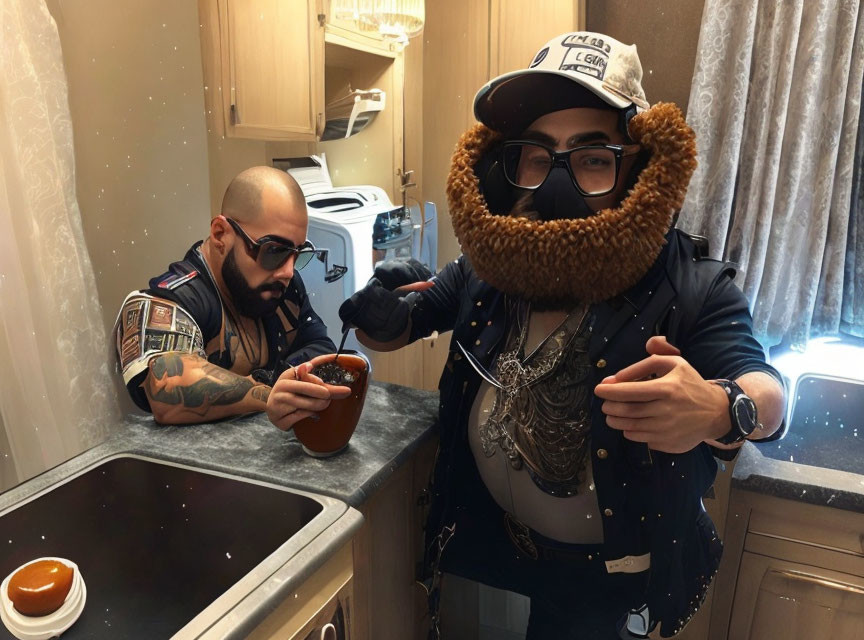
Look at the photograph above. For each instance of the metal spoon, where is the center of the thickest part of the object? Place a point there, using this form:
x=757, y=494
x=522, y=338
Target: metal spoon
x=345, y=331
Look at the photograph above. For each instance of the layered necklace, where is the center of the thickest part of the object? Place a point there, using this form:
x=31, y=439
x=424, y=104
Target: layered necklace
x=540, y=416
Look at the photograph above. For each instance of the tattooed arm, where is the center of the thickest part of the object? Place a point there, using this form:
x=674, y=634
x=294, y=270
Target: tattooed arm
x=184, y=388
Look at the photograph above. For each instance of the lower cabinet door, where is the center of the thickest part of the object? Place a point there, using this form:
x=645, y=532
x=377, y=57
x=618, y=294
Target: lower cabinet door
x=321, y=608
x=782, y=600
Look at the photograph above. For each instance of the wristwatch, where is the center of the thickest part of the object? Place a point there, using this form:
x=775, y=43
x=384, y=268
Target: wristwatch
x=742, y=413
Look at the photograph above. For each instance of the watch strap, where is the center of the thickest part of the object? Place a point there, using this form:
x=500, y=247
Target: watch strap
x=736, y=433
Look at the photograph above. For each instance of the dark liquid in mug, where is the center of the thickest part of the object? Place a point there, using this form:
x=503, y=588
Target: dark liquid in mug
x=333, y=373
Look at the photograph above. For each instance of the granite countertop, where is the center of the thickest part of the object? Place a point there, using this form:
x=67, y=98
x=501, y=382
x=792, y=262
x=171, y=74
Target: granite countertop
x=395, y=421
x=788, y=479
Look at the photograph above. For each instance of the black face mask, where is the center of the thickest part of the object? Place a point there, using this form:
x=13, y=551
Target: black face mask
x=557, y=198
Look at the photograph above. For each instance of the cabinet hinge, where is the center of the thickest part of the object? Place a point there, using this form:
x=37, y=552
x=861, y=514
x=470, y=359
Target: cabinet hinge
x=424, y=498
x=322, y=18
x=235, y=117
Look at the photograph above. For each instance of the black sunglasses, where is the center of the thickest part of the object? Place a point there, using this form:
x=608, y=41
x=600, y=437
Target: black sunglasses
x=272, y=251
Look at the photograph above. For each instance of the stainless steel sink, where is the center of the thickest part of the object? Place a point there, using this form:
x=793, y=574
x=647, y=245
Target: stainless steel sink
x=169, y=550
x=826, y=429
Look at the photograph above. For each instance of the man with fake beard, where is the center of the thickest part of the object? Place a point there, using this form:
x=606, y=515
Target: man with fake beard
x=210, y=336
x=598, y=361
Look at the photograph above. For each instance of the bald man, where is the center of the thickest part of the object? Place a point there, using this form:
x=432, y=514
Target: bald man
x=209, y=337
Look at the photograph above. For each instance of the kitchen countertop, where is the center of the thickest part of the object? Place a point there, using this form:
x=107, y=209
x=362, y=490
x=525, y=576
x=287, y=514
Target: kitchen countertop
x=395, y=421
x=793, y=481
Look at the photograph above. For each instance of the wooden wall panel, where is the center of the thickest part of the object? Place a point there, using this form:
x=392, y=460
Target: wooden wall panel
x=444, y=67
x=518, y=29
x=666, y=33
x=405, y=366
x=455, y=65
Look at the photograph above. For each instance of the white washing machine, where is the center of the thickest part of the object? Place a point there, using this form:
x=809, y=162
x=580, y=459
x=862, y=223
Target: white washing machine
x=347, y=221
x=360, y=227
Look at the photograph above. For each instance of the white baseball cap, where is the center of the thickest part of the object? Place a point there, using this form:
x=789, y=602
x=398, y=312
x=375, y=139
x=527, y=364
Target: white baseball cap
x=554, y=80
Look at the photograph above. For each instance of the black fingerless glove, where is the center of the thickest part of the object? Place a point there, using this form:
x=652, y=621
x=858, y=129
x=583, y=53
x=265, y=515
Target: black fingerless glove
x=380, y=313
x=376, y=309
x=397, y=273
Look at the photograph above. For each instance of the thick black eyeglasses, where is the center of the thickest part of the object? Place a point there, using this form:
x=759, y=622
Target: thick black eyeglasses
x=272, y=251
x=593, y=168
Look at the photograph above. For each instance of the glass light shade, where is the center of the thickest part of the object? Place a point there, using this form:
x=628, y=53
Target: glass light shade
x=358, y=13
x=398, y=19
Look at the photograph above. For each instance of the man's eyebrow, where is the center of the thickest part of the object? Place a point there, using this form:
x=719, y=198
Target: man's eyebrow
x=591, y=136
x=539, y=136
x=579, y=138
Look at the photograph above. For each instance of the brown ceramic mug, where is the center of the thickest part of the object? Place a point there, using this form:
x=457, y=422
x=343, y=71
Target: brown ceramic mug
x=330, y=434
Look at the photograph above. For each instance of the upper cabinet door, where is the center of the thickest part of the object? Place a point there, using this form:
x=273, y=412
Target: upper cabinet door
x=273, y=68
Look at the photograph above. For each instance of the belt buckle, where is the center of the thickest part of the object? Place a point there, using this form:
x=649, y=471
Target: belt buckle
x=520, y=536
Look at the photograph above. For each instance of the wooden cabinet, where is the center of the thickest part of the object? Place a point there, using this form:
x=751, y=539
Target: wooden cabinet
x=790, y=571
x=367, y=590
x=781, y=600
x=272, y=54
x=373, y=156
x=389, y=603
x=322, y=608
x=271, y=66
x=263, y=63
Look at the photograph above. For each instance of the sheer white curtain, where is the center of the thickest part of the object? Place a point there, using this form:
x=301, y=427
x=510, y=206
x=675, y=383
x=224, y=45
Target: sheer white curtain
x=56, y=393
x=775, y=103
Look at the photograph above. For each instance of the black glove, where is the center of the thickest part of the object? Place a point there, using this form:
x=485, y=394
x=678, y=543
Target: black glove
x=377, y=310
x=380, y=313
x=397, y=273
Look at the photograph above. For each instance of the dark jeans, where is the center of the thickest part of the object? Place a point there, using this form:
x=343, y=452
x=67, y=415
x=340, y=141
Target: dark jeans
x=572, y=597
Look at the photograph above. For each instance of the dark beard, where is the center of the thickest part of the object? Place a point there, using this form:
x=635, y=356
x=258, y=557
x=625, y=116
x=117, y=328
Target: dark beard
x=248, y=301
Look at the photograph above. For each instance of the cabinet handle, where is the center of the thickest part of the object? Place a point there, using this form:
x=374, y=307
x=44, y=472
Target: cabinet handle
x=235, y=113
x=819, y=580
x=328, y=632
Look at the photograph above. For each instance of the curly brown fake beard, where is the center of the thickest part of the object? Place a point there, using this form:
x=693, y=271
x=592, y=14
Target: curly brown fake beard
x=559, y=262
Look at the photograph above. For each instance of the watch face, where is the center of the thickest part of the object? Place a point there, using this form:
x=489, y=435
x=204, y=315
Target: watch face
x=744, y=411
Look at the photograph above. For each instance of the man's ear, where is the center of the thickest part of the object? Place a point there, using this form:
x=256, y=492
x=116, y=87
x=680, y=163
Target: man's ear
x=221, y=236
